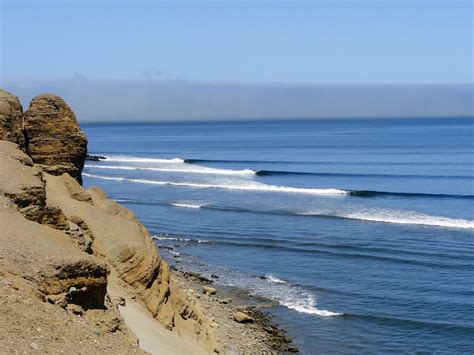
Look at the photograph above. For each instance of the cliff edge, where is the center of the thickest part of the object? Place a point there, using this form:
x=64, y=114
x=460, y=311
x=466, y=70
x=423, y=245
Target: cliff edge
x=69, y=257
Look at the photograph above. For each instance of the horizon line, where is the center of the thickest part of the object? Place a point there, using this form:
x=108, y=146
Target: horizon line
x=237, y=120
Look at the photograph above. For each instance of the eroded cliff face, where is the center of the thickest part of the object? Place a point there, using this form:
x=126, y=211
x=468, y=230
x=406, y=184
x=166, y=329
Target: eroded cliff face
x=54, y=139
x=48, y=132
x=11, y=119
x=71, y=247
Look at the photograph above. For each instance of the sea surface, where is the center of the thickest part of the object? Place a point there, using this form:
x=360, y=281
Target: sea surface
x=362, y=231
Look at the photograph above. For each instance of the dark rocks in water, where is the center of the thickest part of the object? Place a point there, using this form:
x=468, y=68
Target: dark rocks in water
x=95, y=157
x=54, y=139
x=195, y=276
x=214, y=276
x=11, y=119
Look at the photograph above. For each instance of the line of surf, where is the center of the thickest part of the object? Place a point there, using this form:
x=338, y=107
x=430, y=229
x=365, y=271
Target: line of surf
x=378, y=216
x=330, y=162
x=131, y=159
x=187, y=205
x=276, y=172
x=134, y=159
x=244, y=186
x=396, y=217
x=194, y=170
x=400, y=218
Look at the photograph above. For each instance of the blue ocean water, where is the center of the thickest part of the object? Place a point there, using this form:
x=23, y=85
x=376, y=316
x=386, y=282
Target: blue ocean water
x=361, y=230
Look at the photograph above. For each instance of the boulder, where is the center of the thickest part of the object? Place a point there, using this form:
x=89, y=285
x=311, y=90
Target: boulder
x=241, y=317
x=54, y=139
x=209, y=290
x=11, y=119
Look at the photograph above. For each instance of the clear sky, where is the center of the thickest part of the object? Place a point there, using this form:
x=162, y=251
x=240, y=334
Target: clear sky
x=386, y=41
x=252, y=42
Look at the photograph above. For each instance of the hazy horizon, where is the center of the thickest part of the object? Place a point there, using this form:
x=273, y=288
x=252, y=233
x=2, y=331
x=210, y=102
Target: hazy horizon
x=218, y=60
x=180, y=100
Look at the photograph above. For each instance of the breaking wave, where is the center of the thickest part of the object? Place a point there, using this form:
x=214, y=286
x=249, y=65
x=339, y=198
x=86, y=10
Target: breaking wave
x=407, y=218
x=273, y=279
x=374, y=215
x=186, y=205
x=244, y=186
x=129, y=159
x=193, y=169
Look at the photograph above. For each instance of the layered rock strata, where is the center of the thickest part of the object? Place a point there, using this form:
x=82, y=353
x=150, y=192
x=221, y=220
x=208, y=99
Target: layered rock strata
x=48, y=132
x=11, y=119
x=73, y=249
x=54, y=139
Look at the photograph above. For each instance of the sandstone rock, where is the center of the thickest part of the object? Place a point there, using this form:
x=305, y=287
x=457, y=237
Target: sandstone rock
x=241, y=317
x=209, y=290
x=59, y=270
x=11, y=119
x=24, y=185
x=54, y=139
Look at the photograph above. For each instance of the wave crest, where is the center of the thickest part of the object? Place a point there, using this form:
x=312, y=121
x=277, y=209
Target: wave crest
x=187, y=205
x=130, y=159
x=244, y=186
x=192, y=170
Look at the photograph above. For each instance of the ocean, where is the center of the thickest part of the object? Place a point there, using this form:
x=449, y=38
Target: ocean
x=361, y=231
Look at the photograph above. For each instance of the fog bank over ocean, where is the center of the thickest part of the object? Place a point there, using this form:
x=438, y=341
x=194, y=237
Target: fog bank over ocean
x=176, y=99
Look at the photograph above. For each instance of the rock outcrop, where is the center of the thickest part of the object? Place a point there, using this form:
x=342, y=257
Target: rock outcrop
x=48, y=132
x=11, y=119
x=54, y=139
x=78, y=250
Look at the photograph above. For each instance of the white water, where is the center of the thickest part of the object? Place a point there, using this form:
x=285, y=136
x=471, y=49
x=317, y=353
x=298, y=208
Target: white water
x=274, y=279
x=421, y=219
x=245, y=186
x=291, y=296
x=398, y=217
x=155, y=237
x=185, y=205
x=308, y=305
x=193, y=169
x=128, y=159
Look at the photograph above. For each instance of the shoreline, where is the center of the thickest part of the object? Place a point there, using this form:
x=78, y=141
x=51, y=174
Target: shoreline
x=93, y=266
x=255, y=334
x=258, y=335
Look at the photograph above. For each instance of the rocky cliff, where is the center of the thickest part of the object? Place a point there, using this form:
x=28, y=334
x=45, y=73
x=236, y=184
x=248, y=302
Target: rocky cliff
x=48, y=132
x=11, y=119
x=67, y=251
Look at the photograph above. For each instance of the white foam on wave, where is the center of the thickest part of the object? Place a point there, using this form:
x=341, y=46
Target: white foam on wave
x=156, y=237
x=308, y=306
x=195, y=169
x=400, y=217
x=244, y=186
x=421, y=219
x=129, y=159
x=187, y=205
x=274, y=279
x=291, y=296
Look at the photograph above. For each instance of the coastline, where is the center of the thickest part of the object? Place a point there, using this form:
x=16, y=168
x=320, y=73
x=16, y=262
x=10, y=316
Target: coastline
x=258, y=336
x=89, y=268
x=261, y=335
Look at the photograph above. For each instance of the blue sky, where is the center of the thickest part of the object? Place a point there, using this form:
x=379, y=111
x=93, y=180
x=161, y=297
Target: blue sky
x=235, y=59
x=392, y=41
